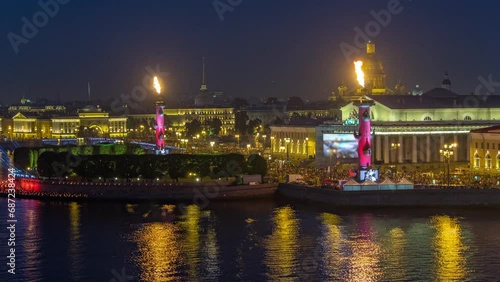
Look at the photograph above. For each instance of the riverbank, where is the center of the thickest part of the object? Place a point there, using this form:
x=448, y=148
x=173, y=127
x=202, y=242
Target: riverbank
x=394, y=198
x=195, y=192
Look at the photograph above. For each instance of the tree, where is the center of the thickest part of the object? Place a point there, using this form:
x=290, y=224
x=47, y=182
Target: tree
x=240, y=122
x=215, y=126
x=272, y=101
x=254, y=126
x=295, y=103
x=256, y=164
x=193, y=128
x=239, y=103
x=44, y=166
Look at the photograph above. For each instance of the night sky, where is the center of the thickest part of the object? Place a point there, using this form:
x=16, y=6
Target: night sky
x=261, y=48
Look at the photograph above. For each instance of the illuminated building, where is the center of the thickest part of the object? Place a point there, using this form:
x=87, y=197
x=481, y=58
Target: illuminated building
x=176, y=118
x=29, y=126
x=296, y=142
x=90, y=122
x=373, y=70
x=27, y=106
x=484, y=151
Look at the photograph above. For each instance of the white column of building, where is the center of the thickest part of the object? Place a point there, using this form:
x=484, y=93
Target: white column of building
x=441, y=146
x=455, y=154
x=378, y=149
x=428, y=149
x=386, y=149
x=414, y=156
x=400, y=149
x=467, y=146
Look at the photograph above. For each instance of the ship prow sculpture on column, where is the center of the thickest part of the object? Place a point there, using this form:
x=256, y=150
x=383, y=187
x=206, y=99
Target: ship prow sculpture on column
x=364, y=137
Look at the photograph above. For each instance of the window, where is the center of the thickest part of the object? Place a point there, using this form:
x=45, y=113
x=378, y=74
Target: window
x=467, y=118
x=498, y=161
x=487, y=146
x=488, y=161
x=493, y=146
x=476, y=145
x=482, y=145
x=427, y=118
x=477, y=160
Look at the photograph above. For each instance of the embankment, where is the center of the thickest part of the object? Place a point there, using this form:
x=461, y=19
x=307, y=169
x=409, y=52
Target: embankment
x=394, y=198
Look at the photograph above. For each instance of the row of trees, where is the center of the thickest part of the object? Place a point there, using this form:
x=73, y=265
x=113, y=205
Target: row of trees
x=25, y=157
x=175, y=166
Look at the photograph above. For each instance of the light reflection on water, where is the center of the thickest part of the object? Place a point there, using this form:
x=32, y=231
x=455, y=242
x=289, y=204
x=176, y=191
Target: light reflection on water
x=450, y=262
x=248, y=242
x=282, y=245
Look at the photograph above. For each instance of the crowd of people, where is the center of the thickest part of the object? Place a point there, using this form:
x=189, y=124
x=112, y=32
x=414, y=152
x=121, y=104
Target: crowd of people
x=315, y=176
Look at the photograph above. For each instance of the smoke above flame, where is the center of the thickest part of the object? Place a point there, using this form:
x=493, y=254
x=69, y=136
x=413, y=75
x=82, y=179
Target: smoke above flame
x=360, y=76
x=157, y=85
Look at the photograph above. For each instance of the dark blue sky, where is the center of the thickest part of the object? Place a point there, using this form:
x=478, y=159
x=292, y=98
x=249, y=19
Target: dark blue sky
x=262, y=48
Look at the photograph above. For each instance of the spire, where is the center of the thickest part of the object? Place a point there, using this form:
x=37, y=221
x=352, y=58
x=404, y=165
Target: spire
x=370, y=47
x=446, y=84
x=203, y=84
x=88, y=90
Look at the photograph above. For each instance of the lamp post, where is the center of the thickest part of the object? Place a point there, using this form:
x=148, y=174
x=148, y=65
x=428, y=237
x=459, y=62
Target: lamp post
x=238, y=137
x=248, y=148
x=272, y=144
x=307, y=147
x=331, y=152
x=264, y=143
x=212, y=143
x=287, y=141
x=447, y=152
x=395, y=146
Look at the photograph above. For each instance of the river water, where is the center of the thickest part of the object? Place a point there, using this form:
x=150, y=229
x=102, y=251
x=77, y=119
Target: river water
x=249, y=241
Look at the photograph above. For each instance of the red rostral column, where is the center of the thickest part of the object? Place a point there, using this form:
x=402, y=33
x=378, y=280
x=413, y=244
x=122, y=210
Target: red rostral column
x=160, y=120
x=364, y=135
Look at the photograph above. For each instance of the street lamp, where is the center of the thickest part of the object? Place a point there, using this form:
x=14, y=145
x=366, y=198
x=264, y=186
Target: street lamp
x=264, y=144
x=331, y=152
x=395, y=146
x=238, y=137
x=447, y=152
x=212, y=143
x=287, y=141
x=248, y=148
x=272, y=144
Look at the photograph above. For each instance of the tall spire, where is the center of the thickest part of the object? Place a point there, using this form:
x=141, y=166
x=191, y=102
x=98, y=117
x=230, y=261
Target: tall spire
x=446, y=84
x=88, y=90
x=203, y=84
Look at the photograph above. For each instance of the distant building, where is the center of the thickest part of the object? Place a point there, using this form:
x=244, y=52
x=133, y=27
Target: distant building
x=375, y=77
x=484, y=152
x=295, y=142
x=206, y=98
x=27, y=106
x=90, y=122
x=176, y=118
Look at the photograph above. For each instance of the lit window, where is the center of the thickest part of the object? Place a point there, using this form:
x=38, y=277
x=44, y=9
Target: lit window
x=477, y=160
x=427, y=118
x=488, y=161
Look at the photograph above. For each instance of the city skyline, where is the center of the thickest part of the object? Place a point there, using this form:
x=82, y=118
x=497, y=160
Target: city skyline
x=300, y=53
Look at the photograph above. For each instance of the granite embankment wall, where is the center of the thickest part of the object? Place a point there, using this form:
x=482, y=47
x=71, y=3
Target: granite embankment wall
x=195, y=191
x=394, y=198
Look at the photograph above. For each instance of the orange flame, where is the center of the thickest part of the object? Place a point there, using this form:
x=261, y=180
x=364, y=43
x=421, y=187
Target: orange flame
x=157, y=85
x=359, y=73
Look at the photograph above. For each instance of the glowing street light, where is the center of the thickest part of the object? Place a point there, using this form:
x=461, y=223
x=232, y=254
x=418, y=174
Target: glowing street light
x=447, y=152
x=212, y=143
x=248, y=148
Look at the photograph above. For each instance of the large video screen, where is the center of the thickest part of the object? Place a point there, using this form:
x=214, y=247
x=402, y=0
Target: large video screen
x=345, y=145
